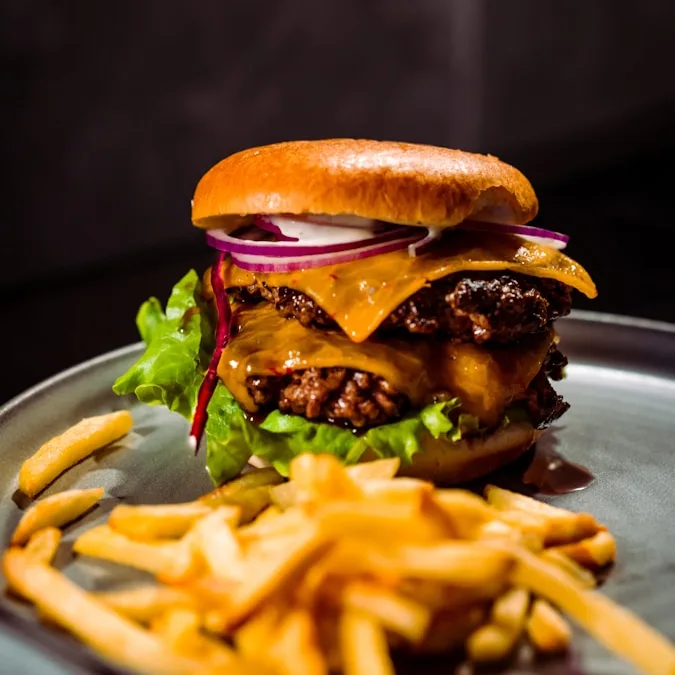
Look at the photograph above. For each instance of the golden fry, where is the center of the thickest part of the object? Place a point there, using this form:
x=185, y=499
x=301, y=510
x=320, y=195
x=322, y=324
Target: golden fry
x=581, y=575
x=378, y=469
x=490, y=643
x=145, y=603
x=163, y=521
x=42, y=546
x=72, y=446
x=55, y=511
x=295, y=647
x=219, y=545
x=462, y=564
x=382, y=522
x=505, y=500
x=548, y=631
x=593, y=553
x=510, y=610
x=364, y=645
x=103, y=542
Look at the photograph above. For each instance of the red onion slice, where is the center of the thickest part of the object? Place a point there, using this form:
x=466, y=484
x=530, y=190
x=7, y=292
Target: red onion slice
x=246, y=242
x=536, y=234
x=264, y=263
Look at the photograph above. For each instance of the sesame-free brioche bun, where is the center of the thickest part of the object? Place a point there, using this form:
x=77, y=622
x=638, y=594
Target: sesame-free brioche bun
x=400, y=183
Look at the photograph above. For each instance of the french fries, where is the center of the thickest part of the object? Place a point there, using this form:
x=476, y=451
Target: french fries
x=62, y=452
x=163, y=521
x=55, y=511
x=326, y=572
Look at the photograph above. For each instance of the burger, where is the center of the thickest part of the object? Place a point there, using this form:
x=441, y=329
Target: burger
x=367, y=299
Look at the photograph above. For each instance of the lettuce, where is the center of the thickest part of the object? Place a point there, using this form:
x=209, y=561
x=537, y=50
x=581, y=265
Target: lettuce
x=179, y=342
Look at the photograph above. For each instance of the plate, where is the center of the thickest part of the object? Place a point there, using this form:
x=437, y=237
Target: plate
x=621, y=384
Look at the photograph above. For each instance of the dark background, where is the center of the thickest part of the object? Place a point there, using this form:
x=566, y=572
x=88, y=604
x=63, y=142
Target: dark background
x=112, y=112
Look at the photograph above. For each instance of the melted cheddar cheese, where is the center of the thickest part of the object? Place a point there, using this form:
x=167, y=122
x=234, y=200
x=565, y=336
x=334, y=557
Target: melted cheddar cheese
x=486, y=379
x=359, y=295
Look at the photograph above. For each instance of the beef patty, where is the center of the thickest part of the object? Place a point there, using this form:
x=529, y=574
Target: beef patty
x=471, y=307
x=360, y=400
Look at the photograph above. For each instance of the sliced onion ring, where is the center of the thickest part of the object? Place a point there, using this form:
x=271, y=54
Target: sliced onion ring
x=536, y=234
x=264, y=263
x=245, y=242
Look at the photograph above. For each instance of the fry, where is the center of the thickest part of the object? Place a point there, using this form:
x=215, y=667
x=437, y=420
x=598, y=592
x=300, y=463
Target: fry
x=218, y=544
x=490, y=643
x=364, y=645
x=55, y=511
x=594, y=553
x=612, y=625
x=393, y=611
x=43, y=545
x=144, y=603
x=165, y=521
x=116, y=638
x=295, y=647
x=510, y=610
x=462, y=564
x=374, y=521
x=505, y=500
x=582, y=576
x=72, y=446
x=381, y=469
x=547, y=630
x=103, y=542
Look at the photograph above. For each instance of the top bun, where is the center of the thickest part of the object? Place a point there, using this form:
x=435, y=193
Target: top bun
x=400, y=183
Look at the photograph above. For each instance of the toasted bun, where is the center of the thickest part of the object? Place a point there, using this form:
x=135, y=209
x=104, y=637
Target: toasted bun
x=399, y=183
x=447, y=463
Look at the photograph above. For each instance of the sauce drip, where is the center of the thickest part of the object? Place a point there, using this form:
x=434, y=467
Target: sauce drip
x=551, y=474
x=208, y=386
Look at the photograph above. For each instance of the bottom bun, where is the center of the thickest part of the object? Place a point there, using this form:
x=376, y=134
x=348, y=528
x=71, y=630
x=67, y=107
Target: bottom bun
x=448, y=463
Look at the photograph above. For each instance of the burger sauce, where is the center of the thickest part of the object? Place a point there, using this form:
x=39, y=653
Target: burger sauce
x=208, y=386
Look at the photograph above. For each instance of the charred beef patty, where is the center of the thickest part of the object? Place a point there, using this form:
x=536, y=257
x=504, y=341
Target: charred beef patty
x=471, y=307
x=361, y=400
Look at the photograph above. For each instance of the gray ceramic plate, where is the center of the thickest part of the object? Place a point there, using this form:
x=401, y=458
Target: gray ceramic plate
x=621, y=425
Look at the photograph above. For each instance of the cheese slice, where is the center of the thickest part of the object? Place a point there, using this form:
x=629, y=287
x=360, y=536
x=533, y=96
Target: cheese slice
x=486, y=379
x=359, y=295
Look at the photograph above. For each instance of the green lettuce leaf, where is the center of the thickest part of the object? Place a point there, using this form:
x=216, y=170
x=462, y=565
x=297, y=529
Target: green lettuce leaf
x=179, y=342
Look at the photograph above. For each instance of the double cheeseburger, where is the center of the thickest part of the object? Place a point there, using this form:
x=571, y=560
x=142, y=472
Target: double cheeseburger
x=368, y=299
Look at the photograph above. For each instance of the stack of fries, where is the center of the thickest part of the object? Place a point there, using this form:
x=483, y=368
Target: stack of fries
x=331, y=571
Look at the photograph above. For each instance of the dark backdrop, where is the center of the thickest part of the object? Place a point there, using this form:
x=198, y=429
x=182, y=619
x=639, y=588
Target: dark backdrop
x=113, y=111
